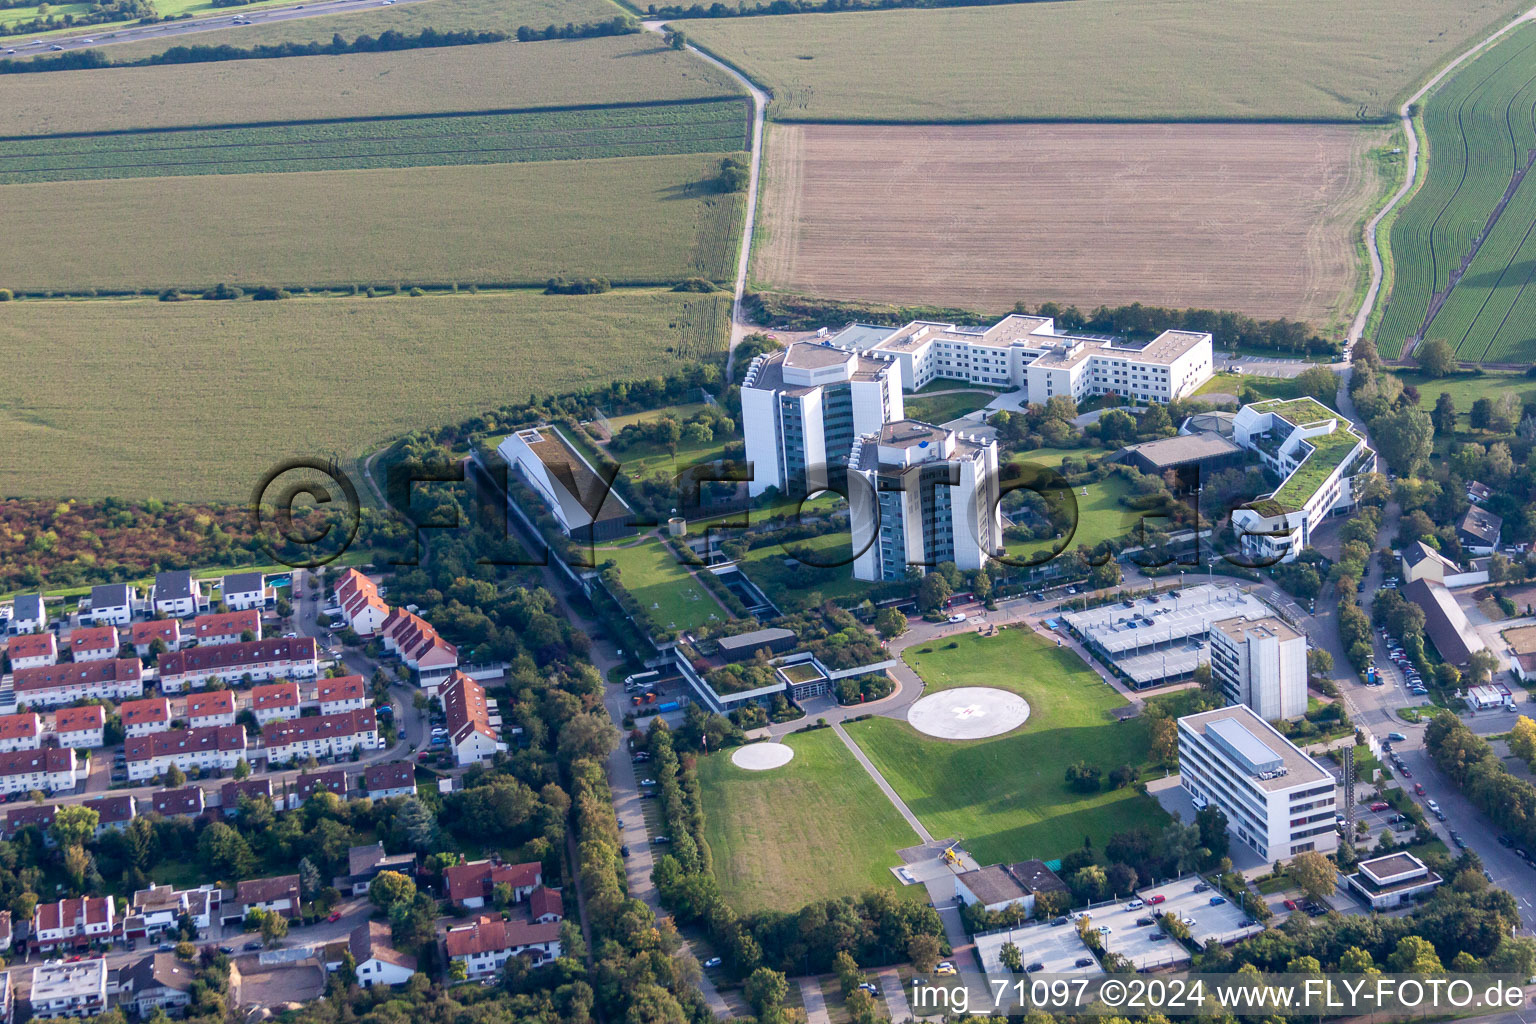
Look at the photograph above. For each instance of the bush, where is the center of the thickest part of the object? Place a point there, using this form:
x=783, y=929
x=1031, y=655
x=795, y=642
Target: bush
x=694, y=284
x=223, y=291
x=5, y=295
x=578, y=286
x=265, y=294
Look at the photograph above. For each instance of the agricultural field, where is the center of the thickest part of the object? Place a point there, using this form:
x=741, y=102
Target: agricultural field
x=663, y=586
x=712, y=126
x=1260, y=218
x=1154, y=60
x=1480, y=127
x=638, y=220
x=769, y=834
x=443, y=15
x=455, y=79
x=1006, y=796
x=196, y=400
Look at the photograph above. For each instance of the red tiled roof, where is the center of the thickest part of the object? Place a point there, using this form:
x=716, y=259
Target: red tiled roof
x=465, y=709
x=545, y=901
x=23, y=726
x=332, y=780
x=25, y=762
x=274, y=695
x=231, y=792
x=479, y=878
x=234, y=657
x=40, y=815
x=342, y=688
x=487, y=936
x=186, y=800
x=222, y=624
x=64, y=914
x=214, y=702
x=265, y=890
x=151, y=709
x=112, y=810
x=168, y=630
x=33, y=645
x=177, y=741
x=395, y=775
x=46, y=677
x=85, y=719
x=93, y=638
x=343, y=723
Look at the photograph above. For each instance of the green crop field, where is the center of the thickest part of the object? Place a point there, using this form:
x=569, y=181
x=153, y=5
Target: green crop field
x=1480, y=125
x=712, y=126
x=193, y=401
x=495, y=76
x=1005, y=797
x=772, y=840
x=637, y=219
x=663, y=587
x=1103, y=59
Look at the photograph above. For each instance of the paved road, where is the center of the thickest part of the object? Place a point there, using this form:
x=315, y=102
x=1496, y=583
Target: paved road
x=815, y=1005
x=97, y=36
x=895, y=996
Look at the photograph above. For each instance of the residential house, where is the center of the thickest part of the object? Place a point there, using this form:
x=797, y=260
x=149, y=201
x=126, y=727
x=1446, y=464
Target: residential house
x=342, y=693
x=112, y=604
x=275, y=701
x=177, y=595
x=49, y=770
x=159, y=981
x=211, y=708
x=7, y=997
x=144, y=635
x=80, y=727
x=484, y=946
x=397, y=778
x=142, y=717
x=222, y=746
x=227, y=628
x=378, y=961
x=419, y=648
x=22, y=731
x=364, y=864
x=185, y=801
x=257, y=661
x=69, y=989
x=474, y=884
x=242, y=591
x=358, y=598
x=28, y=615
x=93, y=643
x=73, y=922
x=116, y=680
x=331, y=780
x=1479, y=531
x=34, y=650
x=323, y=736
x=1478, y=493
x=545, y=906
x=470, y=735
x=279, y=895
x=231, y=792
x=38, y=816
x=113, y=812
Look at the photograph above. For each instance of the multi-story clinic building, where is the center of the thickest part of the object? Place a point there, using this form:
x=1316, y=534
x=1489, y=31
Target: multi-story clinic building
x=1261, y=663
x=1025, y=352
x=1277, y=800
x=803, y=407
x=931, y=497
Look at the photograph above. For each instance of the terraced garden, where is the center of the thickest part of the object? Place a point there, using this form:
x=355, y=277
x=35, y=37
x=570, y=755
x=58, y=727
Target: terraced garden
x=1455, y=277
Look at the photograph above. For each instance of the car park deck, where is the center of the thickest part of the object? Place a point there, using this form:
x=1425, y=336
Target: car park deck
x=1135, y=941
x=1224, y=922
x=1057, y=948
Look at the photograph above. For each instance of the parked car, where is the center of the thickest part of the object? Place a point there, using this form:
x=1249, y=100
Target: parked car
x=1157, y=936
x=871, y=989
x=333, y=916
x=1155, y=900
x=661, y=840
x=1418, y=787
x=1036, y=966
x=1290, y=904
x=1381, y=805
x=1506, y=840
x=1404, y=772
x=1084, y=961
x=252, y=946
x=1058, y=922
x=1202, y=887
x=227, y=950
x=1142, y=922
x=958, y=617
x=713, y=961
x=647, y=782
x=624, y=851
x=1134, y=905
x=1432, y=805
x=1217, y=901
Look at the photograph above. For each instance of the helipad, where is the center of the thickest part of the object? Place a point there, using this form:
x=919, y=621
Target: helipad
x=968, y=713
x=759, y=757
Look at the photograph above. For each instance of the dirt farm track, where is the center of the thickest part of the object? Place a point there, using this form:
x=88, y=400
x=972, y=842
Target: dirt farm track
x=1255, y=217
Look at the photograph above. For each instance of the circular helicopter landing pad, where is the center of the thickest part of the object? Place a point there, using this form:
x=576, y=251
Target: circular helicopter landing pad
x=968, y=713
x=759, y=757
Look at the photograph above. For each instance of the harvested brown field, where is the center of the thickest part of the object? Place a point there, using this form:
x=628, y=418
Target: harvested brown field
x=1259, y=217
x=495, y=76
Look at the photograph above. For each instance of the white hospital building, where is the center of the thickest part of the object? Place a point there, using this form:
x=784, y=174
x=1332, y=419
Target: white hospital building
x=1261, y=663
x=1277, y=800
x=930, y=495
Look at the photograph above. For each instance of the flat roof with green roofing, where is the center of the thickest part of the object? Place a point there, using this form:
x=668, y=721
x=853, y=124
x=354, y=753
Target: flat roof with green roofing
x=1329, y=451
x=1299, y=411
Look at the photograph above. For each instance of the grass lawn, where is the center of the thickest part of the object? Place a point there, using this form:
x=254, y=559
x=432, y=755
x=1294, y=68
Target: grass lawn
x=824, y=574
x=773, y=841
x=1267, y=387
x=652, y=574
x=943, y=408
x=1005, y=796
x=679, y=412
x=1466, y=388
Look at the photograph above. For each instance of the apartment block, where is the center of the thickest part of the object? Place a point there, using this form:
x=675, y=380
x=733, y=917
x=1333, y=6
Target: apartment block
x=1261, y=663
x=323, y=736
x=256, y=660
x=219, y=747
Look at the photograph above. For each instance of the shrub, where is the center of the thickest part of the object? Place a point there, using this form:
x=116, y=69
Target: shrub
x=578, y=286
x=694, y=284
x=5, y=295
x=266, y=294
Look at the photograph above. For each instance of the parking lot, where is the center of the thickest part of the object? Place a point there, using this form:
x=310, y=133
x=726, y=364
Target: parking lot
x=1225, y=922
x=1056, y=949
x=1136, y=935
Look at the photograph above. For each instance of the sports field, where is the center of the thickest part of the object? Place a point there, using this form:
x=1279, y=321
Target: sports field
x=710, y=126
x=1481, y=131
x=1103, y=59
x=495, y=76
x=638, y=219
x=1260, y=218
x=773, y=841
x=223, y=390
x=664, y=588
x=1006, y=797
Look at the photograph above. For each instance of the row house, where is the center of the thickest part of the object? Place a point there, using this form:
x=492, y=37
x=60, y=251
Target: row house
x=275, y=702
x=474, y=884
x=94, y=643
x=222, y=746
x=341, y=693
x=177, y=595
x=160, y=907
x=358, y=598
x=50, y=770
x=246, y=591
x=210, y=709
x=144, y=634
x=113, y=812
x=23, y=731
x=81, y=727
x=227, y=628
x=73, y=922
x=308, y=784
x=182, y=802
x=231, y=792
x=256, y=660
x=484, y=946
x=419, y=647
x=35, y=650
x=470, y=734
x=142, y=717
x=38, y=816
x=323, y=736
x=397, y=778
x=113, y=604
x=118, y=679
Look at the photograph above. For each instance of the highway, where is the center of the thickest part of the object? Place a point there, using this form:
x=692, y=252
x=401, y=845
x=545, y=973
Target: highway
x=96, y=36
